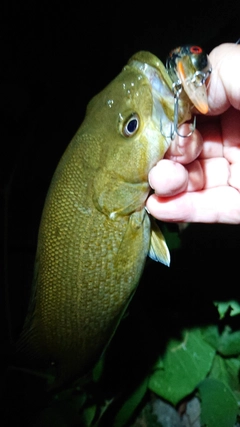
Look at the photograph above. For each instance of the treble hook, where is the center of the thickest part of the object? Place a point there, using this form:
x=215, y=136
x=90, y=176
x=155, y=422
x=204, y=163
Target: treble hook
x=177, y=89
x=199, y=78
x=189, y=69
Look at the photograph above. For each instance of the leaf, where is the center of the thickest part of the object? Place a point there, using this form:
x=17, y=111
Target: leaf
x=229, y=342
x=129, y=407
x=219, y=405
x=182, y=367
x=226, y=371
x=87, y=416
x=98, y=369
x=211, y=335
x=224, y=306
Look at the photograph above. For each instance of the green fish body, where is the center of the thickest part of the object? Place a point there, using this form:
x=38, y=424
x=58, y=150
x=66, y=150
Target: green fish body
x=95, y=232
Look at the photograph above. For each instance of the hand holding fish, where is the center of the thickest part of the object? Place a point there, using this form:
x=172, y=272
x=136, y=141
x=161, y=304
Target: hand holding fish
x=203, y=184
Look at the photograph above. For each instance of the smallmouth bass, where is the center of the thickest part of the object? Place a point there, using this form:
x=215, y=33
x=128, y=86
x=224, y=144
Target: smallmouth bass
x=95, y=233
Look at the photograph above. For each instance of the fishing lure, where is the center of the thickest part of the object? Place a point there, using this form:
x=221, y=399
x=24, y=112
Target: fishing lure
x=189, y=69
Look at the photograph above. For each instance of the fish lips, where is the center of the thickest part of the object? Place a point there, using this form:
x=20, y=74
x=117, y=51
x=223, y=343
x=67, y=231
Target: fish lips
x=161, y=85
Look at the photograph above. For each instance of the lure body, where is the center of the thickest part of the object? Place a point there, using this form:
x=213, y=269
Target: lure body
x=189, y=66
x=95, y=233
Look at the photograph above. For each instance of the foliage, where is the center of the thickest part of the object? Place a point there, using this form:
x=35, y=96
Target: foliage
x=205, y=362
x=182, y=367
x=199, y=359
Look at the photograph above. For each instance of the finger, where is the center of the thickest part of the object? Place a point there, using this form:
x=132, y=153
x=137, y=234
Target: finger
x=216, y=172
x=169, y=178
x=234, y=179
x=185, y=149
x=217, y=205
x=230, y=121
x=210, y=128
x=224, y=86
x=196, y=178
x=221, y=136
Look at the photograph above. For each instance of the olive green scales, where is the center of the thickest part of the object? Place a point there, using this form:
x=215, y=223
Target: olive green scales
x=95, y=232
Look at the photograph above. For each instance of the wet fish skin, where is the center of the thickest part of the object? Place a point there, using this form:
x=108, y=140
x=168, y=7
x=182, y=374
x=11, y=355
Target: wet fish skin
x=95, y=233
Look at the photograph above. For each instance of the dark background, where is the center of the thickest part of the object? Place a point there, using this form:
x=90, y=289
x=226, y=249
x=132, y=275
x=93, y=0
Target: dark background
x=54, y=57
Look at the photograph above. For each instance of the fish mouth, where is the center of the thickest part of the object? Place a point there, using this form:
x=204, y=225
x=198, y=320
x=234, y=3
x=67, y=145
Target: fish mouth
x=192, y=81
x=161, y=85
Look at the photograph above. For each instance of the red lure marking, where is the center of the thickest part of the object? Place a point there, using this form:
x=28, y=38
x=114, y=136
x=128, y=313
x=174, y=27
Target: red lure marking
x=195, y=49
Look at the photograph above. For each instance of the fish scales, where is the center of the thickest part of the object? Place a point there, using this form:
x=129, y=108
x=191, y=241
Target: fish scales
x=61, y=265
x=95, y=233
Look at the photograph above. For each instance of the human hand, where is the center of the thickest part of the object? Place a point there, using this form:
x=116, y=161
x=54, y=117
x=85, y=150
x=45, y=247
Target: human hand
x=199, y=178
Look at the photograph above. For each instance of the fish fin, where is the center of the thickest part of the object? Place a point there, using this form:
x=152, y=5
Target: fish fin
x=158, y=248
x=116, y=198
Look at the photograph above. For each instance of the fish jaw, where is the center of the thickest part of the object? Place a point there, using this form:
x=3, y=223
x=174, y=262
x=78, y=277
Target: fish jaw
x=163, y=101
x=158, y=132
x=163, y=95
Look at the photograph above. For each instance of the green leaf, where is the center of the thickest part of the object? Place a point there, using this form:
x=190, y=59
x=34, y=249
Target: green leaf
x=88, y=416
x=211, y=335
x=183, y=366
x=229, y=342
x=129, y=407
x=98, y=369
x=226, y=371
x=224, y=306
x=219, y=405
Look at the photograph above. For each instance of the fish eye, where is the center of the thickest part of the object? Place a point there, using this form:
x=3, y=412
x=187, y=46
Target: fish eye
x=131, y=125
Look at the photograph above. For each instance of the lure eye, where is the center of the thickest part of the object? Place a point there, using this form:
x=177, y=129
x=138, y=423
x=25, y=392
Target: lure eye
x=131, y=125
x=199, y=58
x=195, y=49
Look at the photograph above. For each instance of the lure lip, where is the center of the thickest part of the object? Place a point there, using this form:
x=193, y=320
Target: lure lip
x=197, y=93
x=189, y=69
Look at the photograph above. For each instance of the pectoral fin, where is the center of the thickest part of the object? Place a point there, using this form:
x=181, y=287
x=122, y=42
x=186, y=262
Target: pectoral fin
x=158, y=248
x=115, y=197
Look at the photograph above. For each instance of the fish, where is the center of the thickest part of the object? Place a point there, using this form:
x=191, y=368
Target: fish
x=95, y=233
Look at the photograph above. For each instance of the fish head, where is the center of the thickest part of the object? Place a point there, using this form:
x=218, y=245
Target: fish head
x=126, y=116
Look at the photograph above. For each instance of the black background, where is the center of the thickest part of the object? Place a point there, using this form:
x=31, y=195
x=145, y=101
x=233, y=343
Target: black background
x=54, y=57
